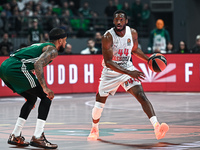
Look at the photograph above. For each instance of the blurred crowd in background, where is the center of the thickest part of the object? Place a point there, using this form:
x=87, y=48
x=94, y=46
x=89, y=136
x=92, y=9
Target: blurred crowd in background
x=35, y=18
x=76, y=19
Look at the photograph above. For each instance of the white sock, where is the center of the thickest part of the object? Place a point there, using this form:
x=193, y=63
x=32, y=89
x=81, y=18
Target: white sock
x=18, y=126
x=39, y=129
x=153, y=120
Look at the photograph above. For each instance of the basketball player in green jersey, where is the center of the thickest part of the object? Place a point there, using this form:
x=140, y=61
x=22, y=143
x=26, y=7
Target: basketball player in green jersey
x=16, y=72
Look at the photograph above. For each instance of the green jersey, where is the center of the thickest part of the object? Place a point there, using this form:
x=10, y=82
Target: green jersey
x=29, y=55
x=16, y=70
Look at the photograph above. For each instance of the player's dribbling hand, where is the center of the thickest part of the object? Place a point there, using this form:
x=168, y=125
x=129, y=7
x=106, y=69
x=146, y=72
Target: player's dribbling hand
x=50, y=93
x=137, y=75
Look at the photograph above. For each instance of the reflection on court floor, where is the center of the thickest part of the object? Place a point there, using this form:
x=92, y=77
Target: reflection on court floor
x=123, y=124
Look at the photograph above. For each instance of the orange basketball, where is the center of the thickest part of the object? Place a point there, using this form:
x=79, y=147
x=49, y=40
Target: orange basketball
x=157, y=62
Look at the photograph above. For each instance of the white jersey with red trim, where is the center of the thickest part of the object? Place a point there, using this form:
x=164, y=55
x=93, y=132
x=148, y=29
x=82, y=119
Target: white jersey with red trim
x=122, y=47
x=110, y=80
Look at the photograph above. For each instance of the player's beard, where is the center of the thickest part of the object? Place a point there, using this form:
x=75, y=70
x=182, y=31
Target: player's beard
x=61, y=50
x=119, y=30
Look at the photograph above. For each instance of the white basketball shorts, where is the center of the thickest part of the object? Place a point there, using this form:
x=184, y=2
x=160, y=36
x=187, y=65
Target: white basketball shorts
x=111, y=80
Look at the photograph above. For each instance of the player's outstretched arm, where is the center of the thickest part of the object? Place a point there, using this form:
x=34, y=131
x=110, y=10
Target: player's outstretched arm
x=139, y=53
x=49, y=54
x=135, y=50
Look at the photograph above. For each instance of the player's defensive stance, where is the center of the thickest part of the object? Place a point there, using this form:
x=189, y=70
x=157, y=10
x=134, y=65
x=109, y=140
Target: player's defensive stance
x=16, y=72
x=118, y=44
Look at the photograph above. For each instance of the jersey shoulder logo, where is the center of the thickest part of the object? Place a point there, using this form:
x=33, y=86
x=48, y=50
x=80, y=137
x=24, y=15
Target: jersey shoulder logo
x=128, y=41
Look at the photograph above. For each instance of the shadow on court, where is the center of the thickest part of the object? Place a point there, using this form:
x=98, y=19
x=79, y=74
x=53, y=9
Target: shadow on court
x=140, y=146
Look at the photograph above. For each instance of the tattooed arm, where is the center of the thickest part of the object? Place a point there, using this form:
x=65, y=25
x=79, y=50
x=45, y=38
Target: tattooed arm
x=49, y=54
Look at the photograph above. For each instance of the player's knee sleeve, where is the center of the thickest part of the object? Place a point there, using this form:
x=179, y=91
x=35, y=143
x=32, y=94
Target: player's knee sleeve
x=97, y=110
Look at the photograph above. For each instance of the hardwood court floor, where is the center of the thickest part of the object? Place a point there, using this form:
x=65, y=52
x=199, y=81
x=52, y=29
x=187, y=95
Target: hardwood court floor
x=123, y=124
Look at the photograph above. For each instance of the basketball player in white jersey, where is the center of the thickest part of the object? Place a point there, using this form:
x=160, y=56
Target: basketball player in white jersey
x=118, y=44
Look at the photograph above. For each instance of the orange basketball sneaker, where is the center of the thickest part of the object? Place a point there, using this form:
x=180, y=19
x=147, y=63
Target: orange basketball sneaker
x=94, y=134
x=160, y=130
